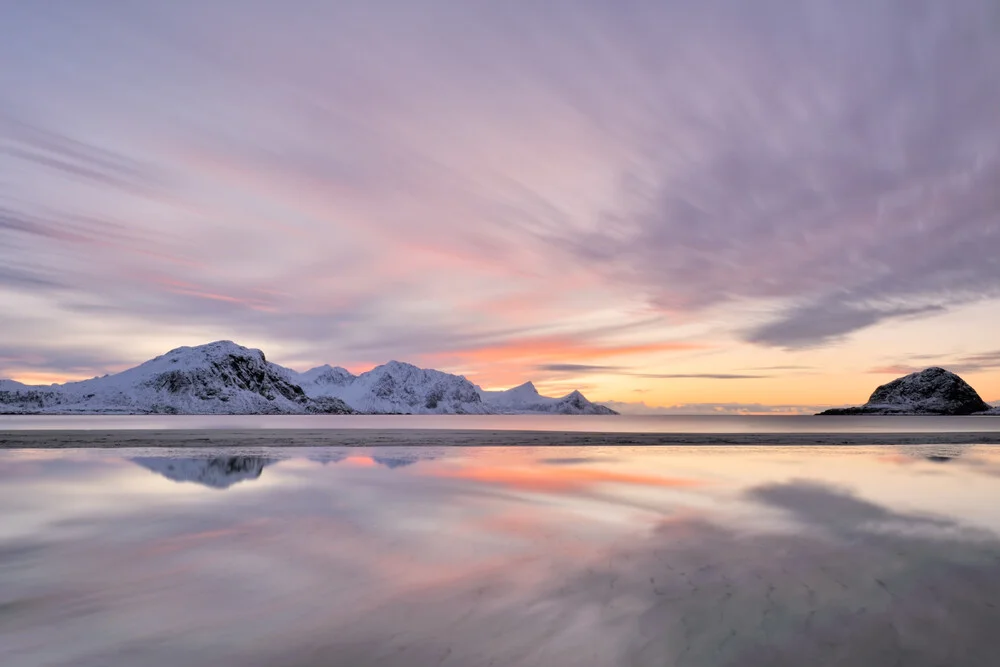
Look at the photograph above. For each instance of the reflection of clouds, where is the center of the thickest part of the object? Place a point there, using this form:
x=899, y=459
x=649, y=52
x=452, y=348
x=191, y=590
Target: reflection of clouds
x=703, y=593
x=820, y=505
x=359, y=565
x=570, y=460
x=557, y=480
x=710, y=594
x=984, y=460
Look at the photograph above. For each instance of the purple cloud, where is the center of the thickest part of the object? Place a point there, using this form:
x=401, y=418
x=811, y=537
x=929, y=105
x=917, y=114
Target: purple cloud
x=364, y=180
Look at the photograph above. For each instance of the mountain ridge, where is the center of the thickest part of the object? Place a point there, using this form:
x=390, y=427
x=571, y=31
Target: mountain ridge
x=223, y=377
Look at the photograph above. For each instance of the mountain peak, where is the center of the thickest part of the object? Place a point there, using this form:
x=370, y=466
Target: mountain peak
x=526, y=388
x=399, y=365
x=323, y=376
x=214, y=350
x=526, y=399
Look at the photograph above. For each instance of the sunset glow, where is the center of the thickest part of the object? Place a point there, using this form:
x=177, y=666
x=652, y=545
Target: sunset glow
x=671, y=206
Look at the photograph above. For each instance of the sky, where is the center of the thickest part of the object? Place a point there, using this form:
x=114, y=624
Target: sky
x=696, y=205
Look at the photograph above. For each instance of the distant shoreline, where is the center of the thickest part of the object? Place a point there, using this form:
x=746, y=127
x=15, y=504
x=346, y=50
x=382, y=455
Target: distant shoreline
x=233, y=438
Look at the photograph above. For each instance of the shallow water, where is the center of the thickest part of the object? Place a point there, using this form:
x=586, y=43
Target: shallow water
x=596, y=424
x=606, y=556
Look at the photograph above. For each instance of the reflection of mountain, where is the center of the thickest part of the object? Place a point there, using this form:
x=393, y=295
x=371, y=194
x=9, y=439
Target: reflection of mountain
x=387, y=460
x=934, y=453
x=217, y=473
x=397, y=461
x=327, y=457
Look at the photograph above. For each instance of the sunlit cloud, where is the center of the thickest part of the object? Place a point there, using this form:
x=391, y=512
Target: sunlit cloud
x=574, y=194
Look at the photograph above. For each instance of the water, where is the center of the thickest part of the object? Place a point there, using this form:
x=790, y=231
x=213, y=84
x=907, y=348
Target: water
x=597, y=424
x=549, y=557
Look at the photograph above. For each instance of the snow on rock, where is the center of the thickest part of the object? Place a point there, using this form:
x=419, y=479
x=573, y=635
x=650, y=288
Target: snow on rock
x=217, y=473
x=400, y=388
x=17, y=398
x=226, y=378
x=933, y=391
x=10, y=385
x=517, y=398
x=526, y=399
x=325, y=376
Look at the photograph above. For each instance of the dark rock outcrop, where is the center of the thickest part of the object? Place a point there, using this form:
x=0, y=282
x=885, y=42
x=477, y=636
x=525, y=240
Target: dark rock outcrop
x=933, y=391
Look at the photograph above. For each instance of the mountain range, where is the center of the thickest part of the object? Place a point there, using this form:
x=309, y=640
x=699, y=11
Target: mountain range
x=222, y=472
x=217, y=472
x=226, y=378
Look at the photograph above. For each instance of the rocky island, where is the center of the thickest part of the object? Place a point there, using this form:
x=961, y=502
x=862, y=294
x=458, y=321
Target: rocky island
x=932, y=391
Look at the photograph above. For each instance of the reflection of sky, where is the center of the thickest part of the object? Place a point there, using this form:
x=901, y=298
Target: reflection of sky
x=117, y=557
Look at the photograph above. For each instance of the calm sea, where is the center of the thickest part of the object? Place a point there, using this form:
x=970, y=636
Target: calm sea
x=503, y=557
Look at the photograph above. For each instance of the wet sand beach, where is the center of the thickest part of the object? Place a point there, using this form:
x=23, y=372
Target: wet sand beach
x=196, y=438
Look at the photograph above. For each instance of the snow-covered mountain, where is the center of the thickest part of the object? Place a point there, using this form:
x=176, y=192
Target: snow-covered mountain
x=401, y=388
x=226, y=378
x=217, y=378
x=10, y=385
x=525, y=398
x=932, y=391
x=321, y=377
x=217, y=473
x=397, y=388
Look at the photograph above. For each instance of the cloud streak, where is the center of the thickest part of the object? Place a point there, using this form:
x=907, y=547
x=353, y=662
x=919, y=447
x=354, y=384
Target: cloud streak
x=497, y=189
x=582, y=369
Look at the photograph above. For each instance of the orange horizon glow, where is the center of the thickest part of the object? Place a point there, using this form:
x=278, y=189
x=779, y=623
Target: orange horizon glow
x=360, y=462
x=799, y=394
x=559, y=349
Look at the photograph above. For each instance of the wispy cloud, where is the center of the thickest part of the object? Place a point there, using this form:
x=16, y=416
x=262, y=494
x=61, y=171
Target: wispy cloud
x=816, y=324
x=496, y=188
x=582, y=369
x=701, y=376
x=963, y=363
